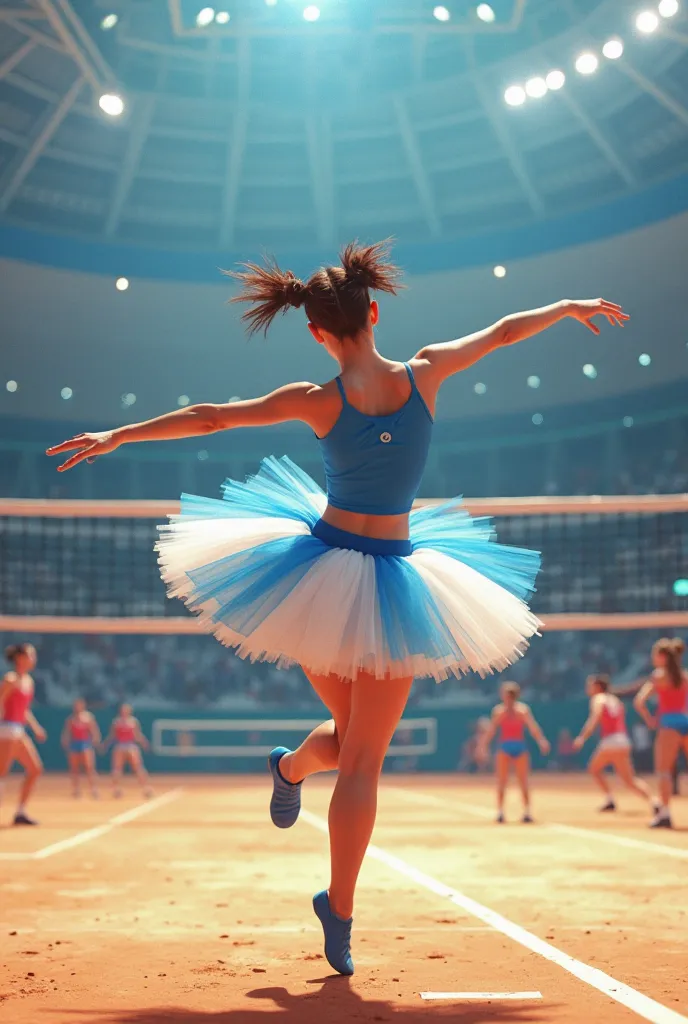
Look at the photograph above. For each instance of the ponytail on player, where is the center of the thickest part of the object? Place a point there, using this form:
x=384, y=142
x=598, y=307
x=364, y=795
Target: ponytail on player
x=672, y=652
x=335, y=299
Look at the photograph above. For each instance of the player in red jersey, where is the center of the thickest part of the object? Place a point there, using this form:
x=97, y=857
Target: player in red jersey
x=79, y=739
x=614, y=748
x=510, y=720
x=669, y=686
x=16, y=695
x=125, y=733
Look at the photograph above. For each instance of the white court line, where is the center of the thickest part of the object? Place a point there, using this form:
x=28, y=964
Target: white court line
x=610, y=837
x=99, y=830
x=480, y=996
x=640, y=1004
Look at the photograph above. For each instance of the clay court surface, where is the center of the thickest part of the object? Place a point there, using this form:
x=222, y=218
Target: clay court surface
x=193, y=909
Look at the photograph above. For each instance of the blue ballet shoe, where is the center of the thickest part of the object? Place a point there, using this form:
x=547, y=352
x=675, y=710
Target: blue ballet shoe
x=337, y=935
x=285, y=804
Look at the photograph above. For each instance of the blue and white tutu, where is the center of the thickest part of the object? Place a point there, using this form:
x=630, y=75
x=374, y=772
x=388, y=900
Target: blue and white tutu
x=269, y=579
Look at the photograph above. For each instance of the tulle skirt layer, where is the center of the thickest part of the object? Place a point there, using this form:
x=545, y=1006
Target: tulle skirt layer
x=269, y=579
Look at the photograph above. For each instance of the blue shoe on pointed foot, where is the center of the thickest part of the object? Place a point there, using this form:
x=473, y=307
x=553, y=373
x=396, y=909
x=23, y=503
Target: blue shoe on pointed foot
x=285, y=804
x=337, y=935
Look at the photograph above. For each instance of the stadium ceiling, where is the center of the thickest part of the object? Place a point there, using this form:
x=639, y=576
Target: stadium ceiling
x=248, y=125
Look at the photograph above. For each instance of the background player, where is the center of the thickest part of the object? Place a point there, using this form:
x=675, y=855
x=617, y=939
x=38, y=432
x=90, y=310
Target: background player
x=669, y=686
x=614, y=749
x=509, y=721
x=80, y=736
x=16, y=695
x=125, y=733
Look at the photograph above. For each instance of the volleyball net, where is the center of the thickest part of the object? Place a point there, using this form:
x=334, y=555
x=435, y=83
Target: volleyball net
x=90, y=566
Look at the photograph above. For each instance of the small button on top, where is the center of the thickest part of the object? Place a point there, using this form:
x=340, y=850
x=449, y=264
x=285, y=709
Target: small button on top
x=385, y=437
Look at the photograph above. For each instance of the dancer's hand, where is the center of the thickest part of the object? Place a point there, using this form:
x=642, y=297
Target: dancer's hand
x=40, y=734
x=90, y=447
x=545, y=747
x=585, y=309
x=578, y=743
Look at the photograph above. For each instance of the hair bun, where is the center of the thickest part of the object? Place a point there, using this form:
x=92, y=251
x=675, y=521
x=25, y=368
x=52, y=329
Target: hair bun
x=369, y=266
x=295, y=291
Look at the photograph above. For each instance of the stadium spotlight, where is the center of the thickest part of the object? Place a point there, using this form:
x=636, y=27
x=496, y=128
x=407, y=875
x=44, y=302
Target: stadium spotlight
x=480, y=388
x=111, y=104
x=536, y=87
x=66, y=393
x=271, y=3
x=534, y=381
x=485, y=12
x=590, y=371
x=499, y=271
x=183, y=400
x=681, y=588
x=11, y=386
x=203, y=455
x=121, y=284
x=311, y=13
x=668, y=8
x=222, y=17
x=205, y=16
x=128, y=399
x=613, y=49
x=627, y=421
x=644, y=359
x=587, y=63
x=555, y=79
x=109, y=21
x=442, y=13
x=647, y=22
x=515, y=95
x=538, y=419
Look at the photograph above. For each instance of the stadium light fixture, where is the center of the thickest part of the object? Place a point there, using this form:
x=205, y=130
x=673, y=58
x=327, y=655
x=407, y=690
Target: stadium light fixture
x=222, y=18
x=681, y=588
x=11, y=386
x=590, y=371
x=613, y=49
x=587, y=63
x=441, y=13
x=109, y=22
x=66, y=393
x=536, y=87
x=485, y=12
x=555, y=80
x=499, y=271
x=668, y=8
x=538, y=419
x=121, y=284
x=515, y=95
x=203, y=455
x=111, y=103
x=480, y=388
x=205, y=16
x=533, y=381
x=128, y=399
x=644, y=359
x=183, y=400
x=311, y=13
x=627, y=421
x=647, y=22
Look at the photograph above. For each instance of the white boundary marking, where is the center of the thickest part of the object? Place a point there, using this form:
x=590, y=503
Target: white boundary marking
x=551, y=826
x=99, y=830
x=640, y=1004
x=481, y=996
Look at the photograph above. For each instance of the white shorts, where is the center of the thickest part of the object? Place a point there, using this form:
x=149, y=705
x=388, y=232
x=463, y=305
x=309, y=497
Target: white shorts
x=617, y=741
x=11, y=730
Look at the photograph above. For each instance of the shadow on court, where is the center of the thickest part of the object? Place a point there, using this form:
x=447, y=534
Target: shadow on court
x=334, y=1002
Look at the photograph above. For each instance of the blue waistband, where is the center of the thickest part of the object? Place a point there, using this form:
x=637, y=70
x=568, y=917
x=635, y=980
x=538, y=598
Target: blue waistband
x=336, y=538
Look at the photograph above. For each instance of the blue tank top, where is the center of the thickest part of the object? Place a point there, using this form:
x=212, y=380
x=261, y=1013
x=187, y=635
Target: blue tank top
x=374, y=464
